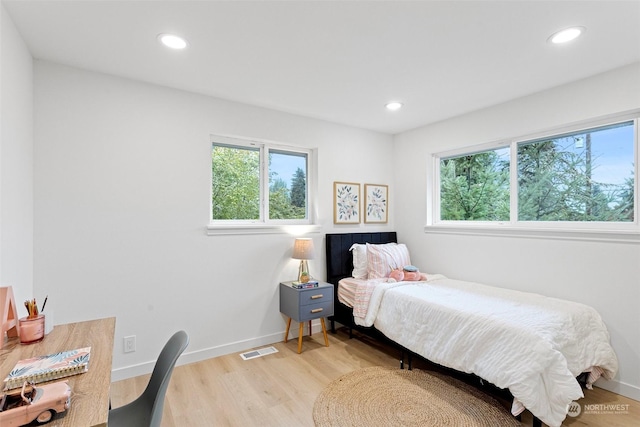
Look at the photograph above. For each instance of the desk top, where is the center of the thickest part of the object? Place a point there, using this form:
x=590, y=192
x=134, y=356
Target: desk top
x=89, y=391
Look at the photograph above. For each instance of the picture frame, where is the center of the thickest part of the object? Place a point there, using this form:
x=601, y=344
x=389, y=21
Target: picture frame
x=346, y=203
x=376, y=199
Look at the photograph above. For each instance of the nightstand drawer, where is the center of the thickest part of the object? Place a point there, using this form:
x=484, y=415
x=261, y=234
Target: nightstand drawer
x=314, y=311
x=316, y=295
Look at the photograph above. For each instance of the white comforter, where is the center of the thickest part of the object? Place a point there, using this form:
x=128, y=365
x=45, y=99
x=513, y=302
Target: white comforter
x=533, y=345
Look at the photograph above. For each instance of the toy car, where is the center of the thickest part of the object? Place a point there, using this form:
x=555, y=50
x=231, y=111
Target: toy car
x=22, y=406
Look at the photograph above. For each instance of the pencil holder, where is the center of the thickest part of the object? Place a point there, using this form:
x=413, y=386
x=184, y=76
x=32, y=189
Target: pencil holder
x=31, y=329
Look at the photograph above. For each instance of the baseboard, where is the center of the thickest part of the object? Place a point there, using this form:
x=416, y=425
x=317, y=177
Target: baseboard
x=618, y=387
x=207, y=353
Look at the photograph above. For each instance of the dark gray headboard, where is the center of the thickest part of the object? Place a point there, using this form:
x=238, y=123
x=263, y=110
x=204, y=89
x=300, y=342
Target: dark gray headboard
x=339, y=259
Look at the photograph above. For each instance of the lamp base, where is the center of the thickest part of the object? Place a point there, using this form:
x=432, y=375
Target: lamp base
x=304, y=268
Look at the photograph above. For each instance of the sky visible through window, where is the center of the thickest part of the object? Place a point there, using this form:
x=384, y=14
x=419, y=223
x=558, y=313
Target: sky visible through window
x=286, y=164
x=612, y=149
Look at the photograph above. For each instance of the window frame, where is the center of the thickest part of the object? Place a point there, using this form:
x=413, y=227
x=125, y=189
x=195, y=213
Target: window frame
x=581, y=230
x=264, y=224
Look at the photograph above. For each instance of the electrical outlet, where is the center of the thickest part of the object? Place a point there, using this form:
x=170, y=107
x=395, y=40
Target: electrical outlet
x=130, y=344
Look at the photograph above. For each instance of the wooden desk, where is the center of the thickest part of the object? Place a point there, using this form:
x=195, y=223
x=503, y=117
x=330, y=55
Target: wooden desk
x=89, y=391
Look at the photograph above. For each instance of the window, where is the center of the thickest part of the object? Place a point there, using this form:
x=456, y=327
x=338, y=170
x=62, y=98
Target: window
x=258, y=183
x=235, y=183
x=581, y=178
x=475, y=186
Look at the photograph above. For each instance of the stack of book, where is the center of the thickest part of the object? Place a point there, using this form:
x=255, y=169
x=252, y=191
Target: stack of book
x=303, y=285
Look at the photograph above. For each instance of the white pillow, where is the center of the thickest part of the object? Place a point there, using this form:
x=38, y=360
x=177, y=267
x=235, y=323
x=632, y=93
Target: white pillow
x=360, y=270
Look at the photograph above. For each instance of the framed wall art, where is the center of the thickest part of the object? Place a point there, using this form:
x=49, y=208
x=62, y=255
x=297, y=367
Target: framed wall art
x=346, y=203
x=376, y=203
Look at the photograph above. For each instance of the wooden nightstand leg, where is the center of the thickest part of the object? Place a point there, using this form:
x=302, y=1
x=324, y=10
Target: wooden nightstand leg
x=324, y=332
x=286, y=334
x=300, y=337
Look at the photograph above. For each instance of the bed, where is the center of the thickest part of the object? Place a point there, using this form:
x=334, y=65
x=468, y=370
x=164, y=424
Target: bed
x=532, y=345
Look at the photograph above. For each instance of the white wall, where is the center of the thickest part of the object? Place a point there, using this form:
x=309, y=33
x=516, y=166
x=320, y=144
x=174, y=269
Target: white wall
x=603, y=275
x=122, y=188
x=16, y=163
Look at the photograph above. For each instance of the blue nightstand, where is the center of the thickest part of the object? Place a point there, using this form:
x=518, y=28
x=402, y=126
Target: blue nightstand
x=306, y=304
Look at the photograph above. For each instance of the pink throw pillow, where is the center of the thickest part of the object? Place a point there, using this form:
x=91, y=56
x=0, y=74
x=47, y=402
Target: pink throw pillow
x=384, y=258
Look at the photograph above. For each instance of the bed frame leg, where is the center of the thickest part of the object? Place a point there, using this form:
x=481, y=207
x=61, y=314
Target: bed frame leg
x=536, y=422
x=333, y=326
x=404, y=351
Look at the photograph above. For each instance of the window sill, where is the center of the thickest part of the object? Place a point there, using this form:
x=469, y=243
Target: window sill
x=613, y=236
x=232, y=229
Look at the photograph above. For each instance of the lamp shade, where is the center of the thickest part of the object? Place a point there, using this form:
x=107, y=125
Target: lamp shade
x=303, y=249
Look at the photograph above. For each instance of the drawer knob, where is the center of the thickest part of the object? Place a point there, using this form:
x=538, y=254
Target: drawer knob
x=316, y=310
x=316, y=296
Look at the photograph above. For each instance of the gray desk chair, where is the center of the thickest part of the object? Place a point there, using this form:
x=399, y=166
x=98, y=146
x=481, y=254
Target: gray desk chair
x=146, y=410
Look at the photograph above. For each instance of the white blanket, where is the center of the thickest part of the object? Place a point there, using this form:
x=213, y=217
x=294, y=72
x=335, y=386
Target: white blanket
x=533, y=345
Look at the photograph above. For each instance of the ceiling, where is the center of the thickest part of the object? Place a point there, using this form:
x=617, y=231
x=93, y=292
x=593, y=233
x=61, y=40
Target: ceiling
x=339, y=61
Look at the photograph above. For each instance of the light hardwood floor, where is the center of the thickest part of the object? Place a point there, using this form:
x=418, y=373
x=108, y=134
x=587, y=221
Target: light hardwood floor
x=279, y=389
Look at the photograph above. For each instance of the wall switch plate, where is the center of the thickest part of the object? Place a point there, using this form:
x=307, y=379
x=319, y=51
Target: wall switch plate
x=130, y=344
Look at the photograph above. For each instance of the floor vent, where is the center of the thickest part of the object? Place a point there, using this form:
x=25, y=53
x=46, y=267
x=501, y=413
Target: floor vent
x=258, y=353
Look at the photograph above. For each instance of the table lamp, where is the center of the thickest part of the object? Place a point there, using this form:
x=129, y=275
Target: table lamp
x=303, y=250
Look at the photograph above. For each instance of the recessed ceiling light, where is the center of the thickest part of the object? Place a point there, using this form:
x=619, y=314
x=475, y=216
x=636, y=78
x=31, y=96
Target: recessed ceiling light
x=394, y=106
x=566, y=35
x=172, y=41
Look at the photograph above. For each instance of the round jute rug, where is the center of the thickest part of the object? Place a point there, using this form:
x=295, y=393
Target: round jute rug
x=389, y=397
